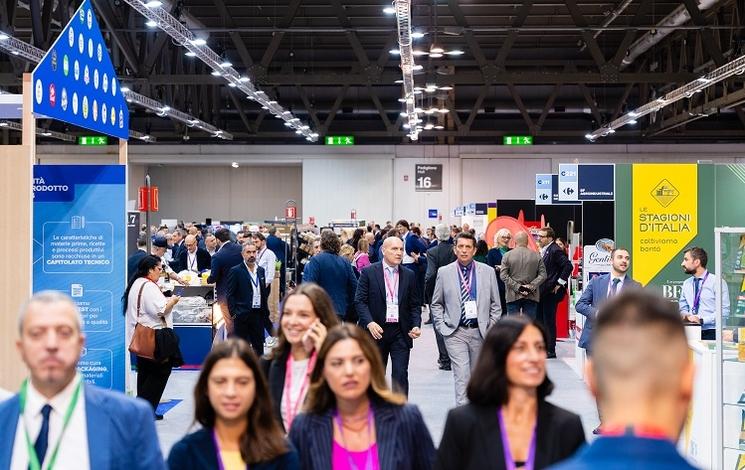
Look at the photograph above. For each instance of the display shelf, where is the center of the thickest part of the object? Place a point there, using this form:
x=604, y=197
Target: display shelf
x=738, y=449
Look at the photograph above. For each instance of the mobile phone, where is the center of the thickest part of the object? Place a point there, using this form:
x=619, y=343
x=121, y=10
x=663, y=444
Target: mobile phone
x=178, y=291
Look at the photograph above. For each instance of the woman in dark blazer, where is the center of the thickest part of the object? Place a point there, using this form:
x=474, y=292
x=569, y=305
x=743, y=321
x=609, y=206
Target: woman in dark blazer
x=352, y=419
x=494, y=259
x=508, y=423
x=233, y=406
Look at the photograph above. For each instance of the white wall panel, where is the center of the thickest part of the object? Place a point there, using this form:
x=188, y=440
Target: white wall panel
x=487, y=180
x=225, y=193
x=332, y=187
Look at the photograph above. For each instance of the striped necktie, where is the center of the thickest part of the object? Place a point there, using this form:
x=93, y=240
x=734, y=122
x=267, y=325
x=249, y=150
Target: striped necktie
x=465, y=296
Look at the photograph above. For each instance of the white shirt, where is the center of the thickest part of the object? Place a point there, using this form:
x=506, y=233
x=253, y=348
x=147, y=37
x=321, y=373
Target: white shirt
x=152, y=303
x=299, y=371
x=255, y=291
x=407, y=258
x=191, y=261
x=267, y=260
x=73, y=449
x=618, y=287
x=390, y=280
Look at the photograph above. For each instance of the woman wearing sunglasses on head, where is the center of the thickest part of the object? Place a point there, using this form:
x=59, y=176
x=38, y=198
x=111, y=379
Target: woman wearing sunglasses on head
x=233, y=406
x=351, y=419
x=307, y=313
x=508, y=423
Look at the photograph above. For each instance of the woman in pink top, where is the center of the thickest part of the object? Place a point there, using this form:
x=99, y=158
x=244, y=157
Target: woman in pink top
x=361, y=257
x=352, y=421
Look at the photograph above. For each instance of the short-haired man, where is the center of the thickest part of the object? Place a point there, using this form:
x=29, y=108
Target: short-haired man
x=135, y=258
x=642, y=375
x=598, y=291
x=268, y=261
x=247, y=297
x=178, y=242
x=438, y=256
x=210, y=244
x=522, y=272
x=280, y=250
x=698, y=298
x=227, y=256
x=59, y=421
x=554, y=288
x=333, y=273
x=193, y=258
x=388, y=305
x=159, y=248
x=465, y=304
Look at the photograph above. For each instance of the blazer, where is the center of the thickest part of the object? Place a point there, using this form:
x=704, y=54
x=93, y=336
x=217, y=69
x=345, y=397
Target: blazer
x=625, y=453
x=370, y=299
x=437, y=257
x=558, y=267
x=335, y=275
x=176, y=249
x=204, y=260
x=403, y=439
x=221, y=264
x=592, y=298
x=472, y=439
x=133, y=261
x=197, y=451
x=121, y=431
x=278, y=247
x=414, y=244
x=274, y=369
x=522, y=266
x=240, y=291
x=445, y=307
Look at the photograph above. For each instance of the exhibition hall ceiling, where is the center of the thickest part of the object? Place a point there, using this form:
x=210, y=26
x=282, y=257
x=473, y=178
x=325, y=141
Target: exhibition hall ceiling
x=554, y=70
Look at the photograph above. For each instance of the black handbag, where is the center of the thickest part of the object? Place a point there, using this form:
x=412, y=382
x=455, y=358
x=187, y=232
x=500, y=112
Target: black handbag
x=167, y=347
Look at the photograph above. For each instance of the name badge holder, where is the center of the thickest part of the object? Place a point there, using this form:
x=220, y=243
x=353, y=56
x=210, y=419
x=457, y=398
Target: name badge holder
x=391, y=306
x=470, y=305
x=256, y=300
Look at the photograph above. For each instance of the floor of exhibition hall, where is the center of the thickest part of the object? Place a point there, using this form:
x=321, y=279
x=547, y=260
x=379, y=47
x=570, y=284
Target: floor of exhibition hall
x=430, y=389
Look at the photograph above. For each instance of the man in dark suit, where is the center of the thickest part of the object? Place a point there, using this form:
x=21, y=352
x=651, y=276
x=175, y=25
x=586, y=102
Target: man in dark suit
x=280, y=249
x=247, y=297
x=333, y=273
x=178, y=246
x=438, y=256
x=642, y=376
x=134, y=259
x=389, y=307
x=554, y=288
x=193, y=258
x=228, y=255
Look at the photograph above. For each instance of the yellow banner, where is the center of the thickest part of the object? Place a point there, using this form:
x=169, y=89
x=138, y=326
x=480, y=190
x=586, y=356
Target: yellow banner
x=664, y=215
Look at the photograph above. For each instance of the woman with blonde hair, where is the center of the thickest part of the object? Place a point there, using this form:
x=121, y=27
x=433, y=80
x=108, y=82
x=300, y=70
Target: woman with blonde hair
x=352, y=420
x=502, y=240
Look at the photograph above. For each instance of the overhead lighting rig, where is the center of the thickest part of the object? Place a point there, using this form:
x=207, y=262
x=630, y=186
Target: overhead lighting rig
x=402, y=10
x=735, y=67
x=16, y=126
x=198, y=46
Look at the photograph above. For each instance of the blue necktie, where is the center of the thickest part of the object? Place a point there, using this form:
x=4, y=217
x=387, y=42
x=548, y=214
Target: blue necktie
x=42, y=441
x=614, y=287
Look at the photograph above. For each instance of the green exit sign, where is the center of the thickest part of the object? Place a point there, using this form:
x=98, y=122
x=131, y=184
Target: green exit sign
x=339, y=140
x=93, y=140
x=517, y=140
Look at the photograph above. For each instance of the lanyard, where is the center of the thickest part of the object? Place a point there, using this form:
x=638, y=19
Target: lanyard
x=220, y=464
x=697, y=299
x=250, y=276
x=466, y=281
x=392, y=290
x=292, y=408
x=33, y=459
x=192, y=261
x=369, y=458
x=509, y=461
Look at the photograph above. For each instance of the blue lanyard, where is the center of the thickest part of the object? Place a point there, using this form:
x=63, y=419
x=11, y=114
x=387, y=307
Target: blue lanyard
x=697, y=299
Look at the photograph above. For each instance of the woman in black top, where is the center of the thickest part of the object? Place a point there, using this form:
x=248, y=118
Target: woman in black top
x=508, y=423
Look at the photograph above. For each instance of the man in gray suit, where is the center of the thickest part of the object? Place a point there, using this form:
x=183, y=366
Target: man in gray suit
x=465, y=304
x=522, y=272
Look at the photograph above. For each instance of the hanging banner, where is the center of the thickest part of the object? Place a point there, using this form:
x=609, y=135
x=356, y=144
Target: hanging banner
x=79, y=249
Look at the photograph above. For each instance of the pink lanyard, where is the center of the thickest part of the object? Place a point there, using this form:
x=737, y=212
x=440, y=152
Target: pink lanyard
x=392, y=290
x=509, y=461
x=220, y=464
x=291, y=408
x=369, y=459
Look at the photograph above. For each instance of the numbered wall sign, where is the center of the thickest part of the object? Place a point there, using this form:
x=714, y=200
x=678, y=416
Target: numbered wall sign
x=428, y=178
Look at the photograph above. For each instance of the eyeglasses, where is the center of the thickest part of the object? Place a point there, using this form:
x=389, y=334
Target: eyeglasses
x=542, y=236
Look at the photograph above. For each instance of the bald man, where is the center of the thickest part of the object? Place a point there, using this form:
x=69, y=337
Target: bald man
x=193, y=258
x=522, y=272
x=642, y=376
x=389, y=307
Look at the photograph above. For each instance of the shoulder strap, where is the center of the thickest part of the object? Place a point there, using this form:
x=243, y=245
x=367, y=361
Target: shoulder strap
x=139, y=297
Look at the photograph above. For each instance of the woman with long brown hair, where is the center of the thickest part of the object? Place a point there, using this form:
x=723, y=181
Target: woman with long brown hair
x=233, y=406
x=306, y=315
x=351, y=419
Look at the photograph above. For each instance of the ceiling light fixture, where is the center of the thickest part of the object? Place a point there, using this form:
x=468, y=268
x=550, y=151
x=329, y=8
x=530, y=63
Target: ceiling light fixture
x=153, y=4
x=389, y=10
x=151, y=24
x=198, y=42
x=190, y=54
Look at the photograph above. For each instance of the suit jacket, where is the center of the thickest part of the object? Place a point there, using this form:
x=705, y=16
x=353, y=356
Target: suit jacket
x=558, y=267
x=176, y=249
x=133, y=261
x=445, y=307
x=221, y=264
x=274, y=370
x=240, y=291
x=278, y=247
x=472, y=439
x=522, y=266
x=335, y=275
x=370, y=299
x=197, y=451
x=592, y=298
x=204, y=260
x=404, y=442
x=437, y=257
x=121, y=432
x=625, y=453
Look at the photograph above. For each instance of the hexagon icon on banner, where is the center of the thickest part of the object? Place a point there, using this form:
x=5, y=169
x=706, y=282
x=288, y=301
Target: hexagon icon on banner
x=76, y=78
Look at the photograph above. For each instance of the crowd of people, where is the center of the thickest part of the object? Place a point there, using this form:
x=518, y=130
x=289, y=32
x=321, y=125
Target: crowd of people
x=318, y=397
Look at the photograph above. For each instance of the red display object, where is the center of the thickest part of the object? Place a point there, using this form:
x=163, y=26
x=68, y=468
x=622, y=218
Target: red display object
x=562, y=318
x=148, y=200
x=290, y=212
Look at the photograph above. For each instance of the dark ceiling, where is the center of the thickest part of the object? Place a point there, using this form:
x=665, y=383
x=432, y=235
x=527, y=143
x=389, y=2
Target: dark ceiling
x=551, y=69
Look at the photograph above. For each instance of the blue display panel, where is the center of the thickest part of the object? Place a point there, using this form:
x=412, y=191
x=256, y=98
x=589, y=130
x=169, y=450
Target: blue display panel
x=79, y=249
x=75, y=82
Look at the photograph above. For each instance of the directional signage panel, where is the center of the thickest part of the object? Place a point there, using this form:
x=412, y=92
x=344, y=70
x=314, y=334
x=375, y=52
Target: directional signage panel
x=568, y=182
x=543, y=189
x=586, y=182
x=75, y=82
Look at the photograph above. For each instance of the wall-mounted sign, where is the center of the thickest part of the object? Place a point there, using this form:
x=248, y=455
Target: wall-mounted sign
x=517, y=140
x=76, y=83
x=93, y=140
x=432, y=213
x=543, y=189
x=428, y=178
x=587, y=182
x=339, y=140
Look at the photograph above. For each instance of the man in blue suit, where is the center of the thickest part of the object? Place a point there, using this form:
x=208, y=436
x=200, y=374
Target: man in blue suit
x=334, y=274
x=247, y=297
x=280, y=250
x=228, y=255
x=599, y=290
x=642, y=375
x=56, y=420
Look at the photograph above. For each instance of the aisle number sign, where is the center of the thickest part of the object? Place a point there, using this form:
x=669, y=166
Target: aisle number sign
x=517, y=140
x=339, y=140
x=93, y=140
x=428, y=178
